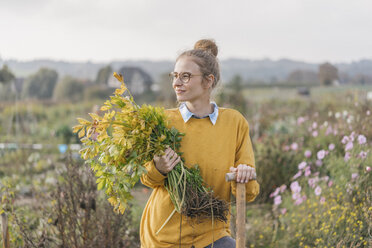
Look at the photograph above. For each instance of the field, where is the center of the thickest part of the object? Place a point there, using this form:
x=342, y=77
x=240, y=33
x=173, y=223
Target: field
x=313, y=160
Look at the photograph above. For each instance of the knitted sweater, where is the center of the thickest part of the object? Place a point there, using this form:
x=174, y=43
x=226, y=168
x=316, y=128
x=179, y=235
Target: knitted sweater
x=215, y=148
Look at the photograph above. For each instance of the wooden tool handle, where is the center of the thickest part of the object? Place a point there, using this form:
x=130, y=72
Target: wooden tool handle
x=240, y=215
x=231, y=176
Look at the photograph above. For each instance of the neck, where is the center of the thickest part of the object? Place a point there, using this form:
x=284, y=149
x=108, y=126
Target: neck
x=200, y=108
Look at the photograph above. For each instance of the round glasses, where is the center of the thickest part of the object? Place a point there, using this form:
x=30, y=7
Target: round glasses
x=184, y=76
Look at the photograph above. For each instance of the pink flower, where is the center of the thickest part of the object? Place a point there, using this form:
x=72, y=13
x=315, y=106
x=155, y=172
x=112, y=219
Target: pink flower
x=298, y=174
x=362, y=154
x=295, y=187
x=311, y=182
x=302, y=165
x=275, y=193
x=328, y=131
x=294, y=146
x=318, y=163
x=298, y=201
x=331, y=147
x=307, y=171
x=362, y=139
x=322, y=200
x=300, y=120
x=345, y=139
x=295, y=196
x=318, y=190
x=307, y=153
x=347, y=156
x=283, y=188
x=321, y=154
x=283, y=211
x=335, y=132
x=277, y=200
x=368, y=112
x=286, y=148
x=354, y=176
x=368, y=169
x=325, y=178
x=330, y=183
x=349, y=146
x=315, y=133
x=315, y=125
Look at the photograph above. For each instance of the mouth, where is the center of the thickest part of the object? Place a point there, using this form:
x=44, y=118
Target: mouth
x=178, y=92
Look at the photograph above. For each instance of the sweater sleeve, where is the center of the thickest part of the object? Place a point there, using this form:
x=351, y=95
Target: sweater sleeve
x=153, y=178
x=244, y=155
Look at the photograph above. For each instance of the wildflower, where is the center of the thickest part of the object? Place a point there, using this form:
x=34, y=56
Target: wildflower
x=330, y=113
x=298, y=201
x=296, y=195
x=331, y=147
x=294, y=146
x=347, y=156
x=322, y=200
x=283, y=188
x=368, y=112
x=277, y=200
x=283, y=211
x=325, y=178
x=344, y=114
x=307, y=153
x=318, y=190
x=295, y=187
x=286, y=148
x=337, y=115
x=335, y=132
x=315, y=125
x=311, y=182
x=298, y=174
x=354, y=176
x=368, y=169
x=328, y=131
x=321, y=154
x=275, y=193
x=349, y=146
x=302, y=165
x=307, y=171
x=318, y=163
x=314, y=133
x=330, y=183
x=300, y=120
x=362, y=139
x=362, y=154
x=345, y=139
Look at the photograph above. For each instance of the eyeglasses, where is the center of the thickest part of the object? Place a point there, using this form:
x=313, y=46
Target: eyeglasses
x=184, y=76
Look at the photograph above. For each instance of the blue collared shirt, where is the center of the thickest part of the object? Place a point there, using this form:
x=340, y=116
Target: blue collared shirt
x=186, y=114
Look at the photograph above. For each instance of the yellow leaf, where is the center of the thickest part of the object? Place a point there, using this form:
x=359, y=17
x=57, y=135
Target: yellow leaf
x=113, y=200
x=76, y=128
x=83, y=121
x=81, y=133
x=119, y=91
x=119, y=77
x=95, y=116
x=105, y=107
x=121, y=208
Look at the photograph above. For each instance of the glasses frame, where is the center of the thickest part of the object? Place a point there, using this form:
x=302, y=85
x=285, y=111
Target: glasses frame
x=175, y=75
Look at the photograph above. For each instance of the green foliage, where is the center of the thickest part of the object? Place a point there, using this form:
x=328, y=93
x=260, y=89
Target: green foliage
x=103, y=75
x=69, y=89
x=41, y=84
x=6, y=75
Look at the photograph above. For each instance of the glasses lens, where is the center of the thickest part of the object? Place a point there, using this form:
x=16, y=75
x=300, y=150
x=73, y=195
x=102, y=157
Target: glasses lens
x=173, y=76
x=185, y=77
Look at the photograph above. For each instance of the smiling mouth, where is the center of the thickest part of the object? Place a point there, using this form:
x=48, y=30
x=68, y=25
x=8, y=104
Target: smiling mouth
x=179, y=91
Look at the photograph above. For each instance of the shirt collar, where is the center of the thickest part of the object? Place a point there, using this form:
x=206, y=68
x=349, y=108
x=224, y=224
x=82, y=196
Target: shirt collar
x=186, y=114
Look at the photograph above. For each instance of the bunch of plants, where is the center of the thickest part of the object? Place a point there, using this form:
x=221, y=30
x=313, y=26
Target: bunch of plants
x=118, y=143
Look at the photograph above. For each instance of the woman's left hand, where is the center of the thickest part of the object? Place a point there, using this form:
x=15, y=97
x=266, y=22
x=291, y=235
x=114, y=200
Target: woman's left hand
x=244, y=173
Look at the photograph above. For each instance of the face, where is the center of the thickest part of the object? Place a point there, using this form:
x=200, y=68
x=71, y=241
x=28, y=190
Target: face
x=195, y=89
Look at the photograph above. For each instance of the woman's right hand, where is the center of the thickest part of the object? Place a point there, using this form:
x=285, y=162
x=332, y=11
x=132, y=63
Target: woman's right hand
x=165, y=163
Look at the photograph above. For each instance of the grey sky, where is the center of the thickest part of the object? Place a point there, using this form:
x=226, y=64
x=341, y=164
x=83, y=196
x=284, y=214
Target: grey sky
x=105, y=30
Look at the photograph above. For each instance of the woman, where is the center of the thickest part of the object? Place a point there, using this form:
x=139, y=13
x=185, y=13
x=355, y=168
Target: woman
x=217, y=139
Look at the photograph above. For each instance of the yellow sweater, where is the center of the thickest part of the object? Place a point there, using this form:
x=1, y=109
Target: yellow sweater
x=215, y=148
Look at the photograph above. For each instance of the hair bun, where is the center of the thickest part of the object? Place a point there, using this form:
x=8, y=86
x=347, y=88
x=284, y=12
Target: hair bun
x=207, y=45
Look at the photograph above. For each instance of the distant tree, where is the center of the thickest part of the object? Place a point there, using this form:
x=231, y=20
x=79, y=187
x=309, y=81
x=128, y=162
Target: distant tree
x=6, y=75
x=103, y=75
x=328, y=74
x=69, y=89
x=236, y=83
x=41, y=84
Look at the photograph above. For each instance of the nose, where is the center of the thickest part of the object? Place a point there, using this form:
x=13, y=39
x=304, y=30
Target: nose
x=177, y=82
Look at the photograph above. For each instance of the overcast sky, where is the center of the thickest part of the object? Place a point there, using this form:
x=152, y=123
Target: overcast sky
x=106, y=30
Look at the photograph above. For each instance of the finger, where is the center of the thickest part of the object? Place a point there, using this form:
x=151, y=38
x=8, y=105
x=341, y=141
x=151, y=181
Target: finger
x=244, y=175
x=174, y=158
x=175, y=162
x=233, y=169
x=239, y=175
x=249, y=175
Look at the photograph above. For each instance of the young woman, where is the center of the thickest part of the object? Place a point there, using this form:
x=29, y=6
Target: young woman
x=217, y=139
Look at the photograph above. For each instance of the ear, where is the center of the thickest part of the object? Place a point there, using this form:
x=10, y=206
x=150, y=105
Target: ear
x=209, y=81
